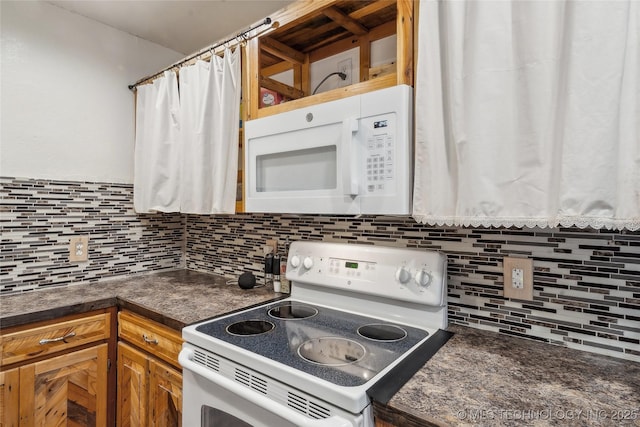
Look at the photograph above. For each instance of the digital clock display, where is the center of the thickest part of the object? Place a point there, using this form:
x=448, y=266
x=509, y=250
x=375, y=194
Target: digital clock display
x=350, y=264
x=380, y=124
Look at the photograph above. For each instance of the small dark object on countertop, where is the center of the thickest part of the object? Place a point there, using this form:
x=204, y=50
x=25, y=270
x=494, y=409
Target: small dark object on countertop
x=247, y=280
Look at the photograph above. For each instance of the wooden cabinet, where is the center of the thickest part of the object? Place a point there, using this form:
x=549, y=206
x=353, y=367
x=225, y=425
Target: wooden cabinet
x=149, y=375
x=57, y=373
x=306, y=45
x=308, y=32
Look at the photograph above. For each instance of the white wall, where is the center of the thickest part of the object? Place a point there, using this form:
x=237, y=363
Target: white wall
x=383, y=51
x=66, y=112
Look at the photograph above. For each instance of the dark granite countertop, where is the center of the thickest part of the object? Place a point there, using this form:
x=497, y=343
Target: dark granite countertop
x=478, y=378
x=175, y=298
x=481, y=378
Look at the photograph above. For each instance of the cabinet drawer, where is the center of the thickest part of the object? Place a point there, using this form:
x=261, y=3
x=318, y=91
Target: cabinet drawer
x=157, y=339
x=28, y=343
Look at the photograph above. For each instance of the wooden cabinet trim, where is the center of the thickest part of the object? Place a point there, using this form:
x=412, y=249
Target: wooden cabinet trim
x=27, y=396
x=9, y=397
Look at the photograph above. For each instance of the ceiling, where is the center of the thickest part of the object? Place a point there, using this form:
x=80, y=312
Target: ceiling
x=185, y=26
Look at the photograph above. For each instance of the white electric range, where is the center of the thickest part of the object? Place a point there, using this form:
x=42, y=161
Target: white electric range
x=360, y=321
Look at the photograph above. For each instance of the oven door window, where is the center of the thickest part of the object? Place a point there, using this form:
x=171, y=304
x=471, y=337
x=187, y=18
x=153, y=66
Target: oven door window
x=308, y=169
x=212, y=417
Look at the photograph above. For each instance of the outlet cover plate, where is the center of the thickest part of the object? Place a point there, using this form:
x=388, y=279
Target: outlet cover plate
x=271, y=246
x=526, y=266
x=79, y=249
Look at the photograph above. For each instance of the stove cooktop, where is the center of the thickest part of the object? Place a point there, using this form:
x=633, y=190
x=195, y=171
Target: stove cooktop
x=340, y=347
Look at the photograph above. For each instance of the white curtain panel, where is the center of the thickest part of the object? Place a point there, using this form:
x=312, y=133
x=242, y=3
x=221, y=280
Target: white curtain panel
x=528, y=114
x=196, y=185
x=156, y=184
x=210, y=114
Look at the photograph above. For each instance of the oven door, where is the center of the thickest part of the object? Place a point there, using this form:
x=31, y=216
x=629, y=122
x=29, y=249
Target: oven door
x=303, y=161
x=210, y=399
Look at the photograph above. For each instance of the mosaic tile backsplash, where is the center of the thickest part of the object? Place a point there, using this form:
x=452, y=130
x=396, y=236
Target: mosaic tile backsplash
x=586, y=282
x=38, y=217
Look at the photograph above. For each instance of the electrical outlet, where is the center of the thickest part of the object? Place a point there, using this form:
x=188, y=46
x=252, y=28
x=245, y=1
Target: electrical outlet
x=345, y=66
x=79, y=248
x=518, y=278
x=270, y=247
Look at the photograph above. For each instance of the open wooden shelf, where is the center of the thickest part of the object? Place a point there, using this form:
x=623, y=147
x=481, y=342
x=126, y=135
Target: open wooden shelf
x=309, y=31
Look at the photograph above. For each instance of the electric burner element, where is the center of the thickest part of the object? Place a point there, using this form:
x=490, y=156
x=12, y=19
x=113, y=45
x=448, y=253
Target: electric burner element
x=250, y=327
x=331, y=351
x=380, y=332
x=293, y=311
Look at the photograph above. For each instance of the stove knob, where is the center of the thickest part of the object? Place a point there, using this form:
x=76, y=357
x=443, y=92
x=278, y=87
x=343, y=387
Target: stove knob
x=402, y=275
x=423, y=278
x=308, y=263
x=295, y=261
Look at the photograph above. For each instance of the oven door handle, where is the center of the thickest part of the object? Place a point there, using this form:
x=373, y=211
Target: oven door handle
x=186, y=360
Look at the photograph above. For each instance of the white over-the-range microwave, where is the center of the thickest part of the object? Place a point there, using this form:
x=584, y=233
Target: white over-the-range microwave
x=349, y=156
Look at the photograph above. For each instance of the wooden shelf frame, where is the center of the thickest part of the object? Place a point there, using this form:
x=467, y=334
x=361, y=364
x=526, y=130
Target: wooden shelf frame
x=306, y=20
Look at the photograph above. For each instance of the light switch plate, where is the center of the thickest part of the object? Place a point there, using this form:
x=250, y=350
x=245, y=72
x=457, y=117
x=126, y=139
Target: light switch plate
x=518, y=278
x=79, y=248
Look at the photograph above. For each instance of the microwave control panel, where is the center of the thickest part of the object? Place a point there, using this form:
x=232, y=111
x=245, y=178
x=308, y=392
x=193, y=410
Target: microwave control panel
x=379, y=148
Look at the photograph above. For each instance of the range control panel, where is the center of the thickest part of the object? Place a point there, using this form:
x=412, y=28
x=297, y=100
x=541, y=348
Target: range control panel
x=417, y=276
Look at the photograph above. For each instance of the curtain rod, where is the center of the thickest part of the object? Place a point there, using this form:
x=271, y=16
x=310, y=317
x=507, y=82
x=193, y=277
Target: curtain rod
x=242, y=35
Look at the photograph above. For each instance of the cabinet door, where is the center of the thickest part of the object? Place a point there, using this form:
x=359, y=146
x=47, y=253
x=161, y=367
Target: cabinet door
x=165, y=395
x=66, y=390
x=133, y=381
x=9, y=394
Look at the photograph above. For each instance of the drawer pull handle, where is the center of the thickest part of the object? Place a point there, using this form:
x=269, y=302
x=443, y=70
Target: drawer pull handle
x=63, y=338
x=149, y=340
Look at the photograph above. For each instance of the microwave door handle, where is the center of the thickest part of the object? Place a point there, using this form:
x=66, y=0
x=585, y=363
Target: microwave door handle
x=349, y=179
